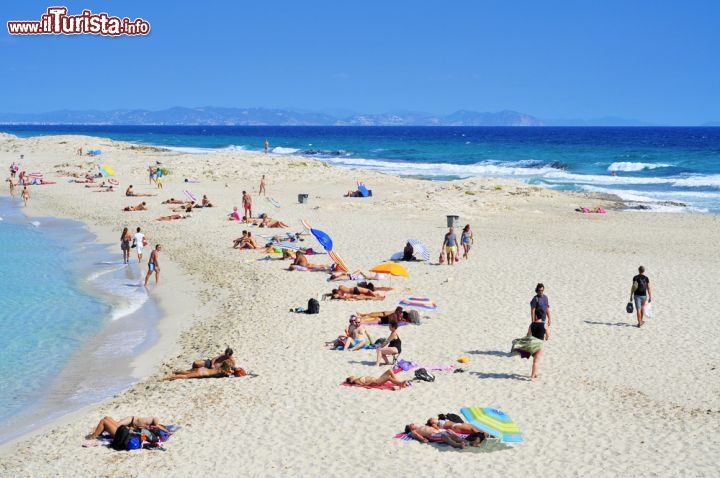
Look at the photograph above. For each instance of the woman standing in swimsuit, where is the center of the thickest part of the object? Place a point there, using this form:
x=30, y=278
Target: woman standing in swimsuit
x=466, y=239
x=391, y=346
x=125, y=238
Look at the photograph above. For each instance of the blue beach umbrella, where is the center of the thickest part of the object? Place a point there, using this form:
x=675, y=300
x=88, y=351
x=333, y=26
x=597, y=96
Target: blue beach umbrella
x=321, y=236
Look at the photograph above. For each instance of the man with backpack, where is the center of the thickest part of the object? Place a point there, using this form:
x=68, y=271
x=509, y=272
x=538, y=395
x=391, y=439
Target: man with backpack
x=641, y=294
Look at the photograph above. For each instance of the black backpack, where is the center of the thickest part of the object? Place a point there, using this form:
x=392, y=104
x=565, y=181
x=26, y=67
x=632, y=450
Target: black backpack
x=423, y=374
x=121, y=438
x=451, y=416
x=313, y=307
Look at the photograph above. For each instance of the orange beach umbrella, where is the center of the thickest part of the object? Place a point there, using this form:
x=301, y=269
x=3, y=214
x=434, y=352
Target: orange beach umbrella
x=391, y=268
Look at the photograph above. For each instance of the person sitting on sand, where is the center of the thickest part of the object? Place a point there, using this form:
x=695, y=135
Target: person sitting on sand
x=240, y=240
x=303, y=263
x=234, y=215
x=427, y=433
x=217, y=361
x=140, y=207
x=249, y=242
x=382, y=317
x=226, y=369
x=367, y=380
x=408, y=252
x=173, y=201
x=391, y=346
x=129, y=192
x=353, y=194
x=464, y=428
x=205, y=202
x=110, y=426
x=357, y=335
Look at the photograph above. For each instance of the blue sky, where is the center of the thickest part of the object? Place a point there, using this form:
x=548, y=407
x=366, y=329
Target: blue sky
x=650, y=60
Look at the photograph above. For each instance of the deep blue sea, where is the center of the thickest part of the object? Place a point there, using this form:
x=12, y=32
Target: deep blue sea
x=69, y=319
x=652, y=165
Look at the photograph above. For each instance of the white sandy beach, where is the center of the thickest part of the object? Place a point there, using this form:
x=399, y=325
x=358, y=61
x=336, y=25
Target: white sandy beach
x=612, y=399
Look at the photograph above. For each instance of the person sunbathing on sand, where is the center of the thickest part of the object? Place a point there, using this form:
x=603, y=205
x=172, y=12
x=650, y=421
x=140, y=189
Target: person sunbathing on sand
x=184, y=207
x=217, y=361
x=103, y=189
x=382, y=317
x=140, y=207
x=172, y=217
x=267, y=222
x=354, y=293
x=225, y=370
x=301, y=260
x=388, y=376
x=427, y=433
x=109, y=425
x=357, y=275
x=173, y=201
x=465, y=428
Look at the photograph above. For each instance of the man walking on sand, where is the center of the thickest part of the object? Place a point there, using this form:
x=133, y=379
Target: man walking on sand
x=263, y=183
x=540, y=308
x=154, y=265
x=641, y=294
x=139, y=242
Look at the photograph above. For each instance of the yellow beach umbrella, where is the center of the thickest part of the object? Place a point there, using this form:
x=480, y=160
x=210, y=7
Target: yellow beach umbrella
x=391, y=268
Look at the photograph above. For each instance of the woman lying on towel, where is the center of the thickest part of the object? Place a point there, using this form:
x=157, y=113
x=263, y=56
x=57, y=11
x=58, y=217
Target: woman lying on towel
x=355, y=293
x=465, y=428
x=109, y=425
x=140, y=207
x=368, y=381
x=226, y=369
x=301, y=260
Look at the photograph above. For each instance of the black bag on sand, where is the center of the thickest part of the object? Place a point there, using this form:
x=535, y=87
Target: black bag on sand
x=451, y=416
x=121, y=438
x=313, y=307
x=423, y=374
x=629, y=308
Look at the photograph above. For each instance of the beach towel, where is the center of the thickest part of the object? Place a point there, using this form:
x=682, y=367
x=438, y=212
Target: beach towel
x=526, y=346
x=488, y=445
x=421, y=302
x=189, y=195
x=106, y=439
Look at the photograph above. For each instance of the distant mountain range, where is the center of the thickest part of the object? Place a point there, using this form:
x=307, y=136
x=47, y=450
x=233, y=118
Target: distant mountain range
x=292, y=117
x=267, y=117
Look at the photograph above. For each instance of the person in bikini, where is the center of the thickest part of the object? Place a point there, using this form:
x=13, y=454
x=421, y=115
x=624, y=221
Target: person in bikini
x=344, y=292
x=217, y=361
x=140, y=207
x=465, y=428
x=382, y=317
x=301, y=260
x=225, y=370
x=109, y=425
x=428, y=433
x=367, y=380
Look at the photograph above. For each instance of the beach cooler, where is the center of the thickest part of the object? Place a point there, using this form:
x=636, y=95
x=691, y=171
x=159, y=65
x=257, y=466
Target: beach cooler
x=453, y=221
x=302, y=198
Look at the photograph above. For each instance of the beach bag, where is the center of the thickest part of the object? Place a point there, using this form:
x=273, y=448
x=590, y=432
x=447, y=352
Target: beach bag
x=413, y=317
x=134, y=243
x=121, y=438
x=441, y=260
x=148, y=436
x=452, y=417
x=424, y=375
x=135, y=442
x=629, y=308
x=313, y=307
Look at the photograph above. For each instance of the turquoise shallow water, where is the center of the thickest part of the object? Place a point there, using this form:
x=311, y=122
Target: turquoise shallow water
x=61, y=296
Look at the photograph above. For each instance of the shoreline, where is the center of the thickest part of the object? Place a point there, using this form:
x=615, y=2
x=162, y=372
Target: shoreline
x=85, y=371
x=616, y=389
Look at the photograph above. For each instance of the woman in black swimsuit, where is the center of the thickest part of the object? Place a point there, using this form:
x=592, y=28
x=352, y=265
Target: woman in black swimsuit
x=391, y=346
